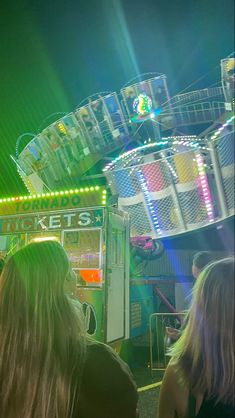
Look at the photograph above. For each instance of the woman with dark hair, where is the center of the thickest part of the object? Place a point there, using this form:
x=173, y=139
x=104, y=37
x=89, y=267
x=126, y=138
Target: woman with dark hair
x=199, y=380
x=48, y=366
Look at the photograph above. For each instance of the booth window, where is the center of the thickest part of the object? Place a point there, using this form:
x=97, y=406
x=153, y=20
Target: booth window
x=83, y=248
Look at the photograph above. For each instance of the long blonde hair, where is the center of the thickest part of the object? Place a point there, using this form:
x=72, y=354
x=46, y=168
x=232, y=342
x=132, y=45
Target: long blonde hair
x=41, y=335
x=205, y=351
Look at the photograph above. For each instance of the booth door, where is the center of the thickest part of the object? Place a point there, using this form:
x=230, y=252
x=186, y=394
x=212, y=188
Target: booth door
x=117, y=282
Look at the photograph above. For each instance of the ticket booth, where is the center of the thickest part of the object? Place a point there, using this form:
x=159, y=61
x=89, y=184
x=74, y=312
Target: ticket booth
x=96, y=240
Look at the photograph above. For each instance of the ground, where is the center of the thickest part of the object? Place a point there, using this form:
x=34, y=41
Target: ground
x=148, y=403
x=148, y=386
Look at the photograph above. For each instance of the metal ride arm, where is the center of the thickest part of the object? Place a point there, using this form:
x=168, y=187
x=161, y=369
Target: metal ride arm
x=166, y=301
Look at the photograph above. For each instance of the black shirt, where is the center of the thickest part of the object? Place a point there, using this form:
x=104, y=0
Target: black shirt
x=107, y=388
x=210, y=409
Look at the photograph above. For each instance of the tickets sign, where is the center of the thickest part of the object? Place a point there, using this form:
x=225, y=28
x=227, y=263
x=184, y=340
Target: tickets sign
x=52, y=221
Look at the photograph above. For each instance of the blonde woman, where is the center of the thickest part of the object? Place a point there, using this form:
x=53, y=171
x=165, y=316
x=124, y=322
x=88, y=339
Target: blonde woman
x=199, y=380
x=48, y=367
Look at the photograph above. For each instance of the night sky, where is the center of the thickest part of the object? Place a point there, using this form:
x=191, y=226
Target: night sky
x=53, y=54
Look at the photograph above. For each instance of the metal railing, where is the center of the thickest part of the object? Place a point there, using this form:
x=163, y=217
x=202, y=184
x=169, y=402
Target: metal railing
x=158, y=338
x=193, y=114
x=197, y=95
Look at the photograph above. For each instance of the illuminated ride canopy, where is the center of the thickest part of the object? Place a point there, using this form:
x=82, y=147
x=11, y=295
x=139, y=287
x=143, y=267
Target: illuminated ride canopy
x=177, y=185
x=168, y=185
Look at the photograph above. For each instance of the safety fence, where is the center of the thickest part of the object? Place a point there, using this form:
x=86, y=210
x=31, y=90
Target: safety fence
x=159, y=342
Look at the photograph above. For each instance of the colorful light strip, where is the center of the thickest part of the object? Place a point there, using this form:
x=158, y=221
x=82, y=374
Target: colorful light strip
x=148, y=201
x=179, y=137
x=187, y=140
x=169, y=166
x=58, y=193
x=104, y=197
x=129, y=154
x=222, y=127
x=205, y=187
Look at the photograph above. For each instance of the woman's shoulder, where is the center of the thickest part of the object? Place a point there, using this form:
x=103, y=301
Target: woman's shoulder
x=96, y=350
x=176, y=375
x=109, y=379
x=174, y=392
x=101, y=358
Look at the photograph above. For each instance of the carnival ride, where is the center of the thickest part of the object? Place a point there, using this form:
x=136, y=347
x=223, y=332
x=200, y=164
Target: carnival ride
x=166, y=163
x=171, y=162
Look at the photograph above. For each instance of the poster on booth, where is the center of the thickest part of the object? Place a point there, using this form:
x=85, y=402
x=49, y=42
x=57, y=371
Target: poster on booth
x=92, y=306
